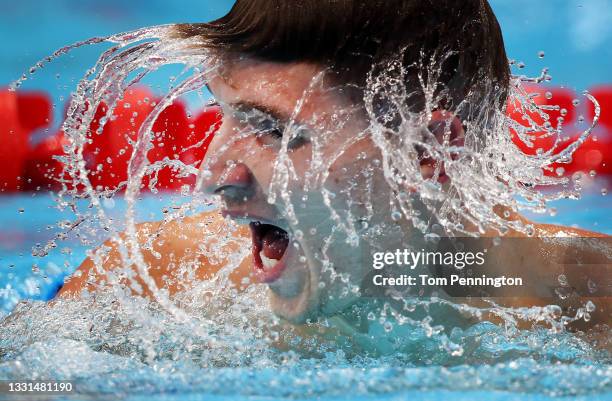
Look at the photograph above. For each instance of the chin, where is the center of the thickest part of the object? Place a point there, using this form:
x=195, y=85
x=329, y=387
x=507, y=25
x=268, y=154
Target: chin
x=295, y=310
x=295, y=296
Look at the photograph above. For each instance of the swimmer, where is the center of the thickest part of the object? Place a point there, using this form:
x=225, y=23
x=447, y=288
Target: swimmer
x=303, y=66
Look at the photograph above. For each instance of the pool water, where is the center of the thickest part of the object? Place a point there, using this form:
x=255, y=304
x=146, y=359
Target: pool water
x=138, y=352
x=134, y=351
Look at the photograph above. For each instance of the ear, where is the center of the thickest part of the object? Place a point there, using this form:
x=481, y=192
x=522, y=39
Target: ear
x=445, y=126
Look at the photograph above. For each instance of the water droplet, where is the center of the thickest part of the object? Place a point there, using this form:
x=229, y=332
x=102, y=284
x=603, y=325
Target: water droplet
x=21, y=210
x=548, y=95
x=432, y=237
x=590, y=306
x=555, y=310
x=396, y=215
x=206, y=174
x=541, y=54
x=604, y=191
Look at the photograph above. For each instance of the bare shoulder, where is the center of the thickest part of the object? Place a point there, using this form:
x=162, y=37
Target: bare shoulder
x=552, y=230
x=176, y=252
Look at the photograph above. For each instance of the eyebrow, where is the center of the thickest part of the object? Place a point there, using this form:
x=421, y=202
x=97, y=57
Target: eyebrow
x=245, y=105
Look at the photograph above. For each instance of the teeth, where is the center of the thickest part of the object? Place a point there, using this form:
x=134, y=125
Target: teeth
x=267, y=262
x=242, y=220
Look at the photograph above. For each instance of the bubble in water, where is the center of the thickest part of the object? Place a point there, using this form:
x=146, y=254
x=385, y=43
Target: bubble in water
x=388, y=326
x=396, y=215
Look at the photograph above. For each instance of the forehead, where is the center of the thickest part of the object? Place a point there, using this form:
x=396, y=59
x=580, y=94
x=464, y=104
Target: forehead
x=279, y=86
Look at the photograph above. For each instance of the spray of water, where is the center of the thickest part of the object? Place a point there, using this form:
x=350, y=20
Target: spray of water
x=213, y=324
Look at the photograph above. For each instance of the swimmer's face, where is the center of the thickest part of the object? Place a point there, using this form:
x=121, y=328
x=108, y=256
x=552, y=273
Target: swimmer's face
x=293, y=160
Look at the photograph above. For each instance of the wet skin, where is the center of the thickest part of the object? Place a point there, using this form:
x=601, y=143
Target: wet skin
x=239, y=170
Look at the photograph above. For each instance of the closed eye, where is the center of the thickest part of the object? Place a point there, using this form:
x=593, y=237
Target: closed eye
x=266, y=125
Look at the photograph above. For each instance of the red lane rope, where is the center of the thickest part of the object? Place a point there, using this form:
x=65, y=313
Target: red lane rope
x=24, y=167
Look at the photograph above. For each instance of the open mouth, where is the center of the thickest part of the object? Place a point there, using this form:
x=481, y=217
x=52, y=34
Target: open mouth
x=269, y=249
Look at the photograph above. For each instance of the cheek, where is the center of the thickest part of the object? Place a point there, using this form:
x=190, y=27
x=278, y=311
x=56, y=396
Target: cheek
x=260, y=160
x=356, y=176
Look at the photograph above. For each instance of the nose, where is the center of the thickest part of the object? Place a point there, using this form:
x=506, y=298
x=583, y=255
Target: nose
x=233, y=181
x=224, y=171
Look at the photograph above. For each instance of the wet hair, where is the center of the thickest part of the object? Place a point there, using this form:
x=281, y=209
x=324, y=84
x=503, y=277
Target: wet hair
x=352, y=37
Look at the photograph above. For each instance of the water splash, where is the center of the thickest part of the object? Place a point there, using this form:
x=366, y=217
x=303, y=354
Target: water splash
x=213, y=325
